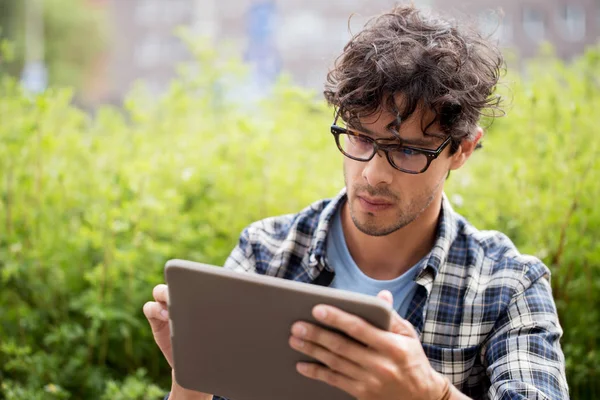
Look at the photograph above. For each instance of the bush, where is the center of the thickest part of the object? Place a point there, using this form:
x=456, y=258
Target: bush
x=537, y=179
x=91, y=208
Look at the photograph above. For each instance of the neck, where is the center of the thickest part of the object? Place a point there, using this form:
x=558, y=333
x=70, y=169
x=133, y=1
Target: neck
x=388, y=257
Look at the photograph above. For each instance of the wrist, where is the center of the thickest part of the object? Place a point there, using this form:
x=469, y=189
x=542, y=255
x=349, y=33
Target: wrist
x=180, y=393
x=443, y=388
x=456, y=394
x=446, y=390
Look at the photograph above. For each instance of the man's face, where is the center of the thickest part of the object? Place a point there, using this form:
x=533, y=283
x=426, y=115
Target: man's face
x=382, y=199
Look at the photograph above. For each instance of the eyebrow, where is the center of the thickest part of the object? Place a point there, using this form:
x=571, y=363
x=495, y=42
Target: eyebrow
x=414, y=142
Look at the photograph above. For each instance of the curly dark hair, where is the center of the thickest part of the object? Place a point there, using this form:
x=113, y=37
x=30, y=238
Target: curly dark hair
x=432, y=62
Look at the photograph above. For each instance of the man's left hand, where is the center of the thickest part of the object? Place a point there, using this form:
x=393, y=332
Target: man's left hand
x=378, y=365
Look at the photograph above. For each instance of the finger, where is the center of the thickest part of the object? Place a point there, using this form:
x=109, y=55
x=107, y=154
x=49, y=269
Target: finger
x=402, y=327
x=355, y=327
x=334, y=361
x=332, y=378
x=398, y=324
x=156, y=311
x=161, y=293
x=338, y=345
x=386, y=296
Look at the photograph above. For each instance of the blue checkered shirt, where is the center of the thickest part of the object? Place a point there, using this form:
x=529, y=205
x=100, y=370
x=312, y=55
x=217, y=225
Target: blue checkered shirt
x=484, y=312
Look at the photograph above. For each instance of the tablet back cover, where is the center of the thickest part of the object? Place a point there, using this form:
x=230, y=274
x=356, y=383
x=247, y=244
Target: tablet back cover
x=230, y=331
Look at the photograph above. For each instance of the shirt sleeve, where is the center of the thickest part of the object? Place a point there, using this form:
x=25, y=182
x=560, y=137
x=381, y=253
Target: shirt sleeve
x=523, y=355
x=242, y=258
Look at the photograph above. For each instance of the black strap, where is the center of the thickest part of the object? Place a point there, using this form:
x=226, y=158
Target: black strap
x=325, y=278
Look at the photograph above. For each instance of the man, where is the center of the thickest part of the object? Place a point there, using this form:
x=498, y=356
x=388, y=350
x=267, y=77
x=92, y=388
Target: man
x=476, y=319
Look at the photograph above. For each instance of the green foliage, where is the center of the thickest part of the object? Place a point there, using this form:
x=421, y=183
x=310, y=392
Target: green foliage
x=91, y=208
x=137, y=386
x=7, y=51
x=72, y=39
x=538, y=179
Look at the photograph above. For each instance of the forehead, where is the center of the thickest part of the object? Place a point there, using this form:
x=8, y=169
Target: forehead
x=390, y=114
x=382, y=121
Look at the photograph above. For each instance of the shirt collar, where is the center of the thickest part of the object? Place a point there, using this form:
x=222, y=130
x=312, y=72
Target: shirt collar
x=447, y=232
x=318, y=245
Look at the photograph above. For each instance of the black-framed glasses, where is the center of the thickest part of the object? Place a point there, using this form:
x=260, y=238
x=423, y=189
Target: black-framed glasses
x=360, y=147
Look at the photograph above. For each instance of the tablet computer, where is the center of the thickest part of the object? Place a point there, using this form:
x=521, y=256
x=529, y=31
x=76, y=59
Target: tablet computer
x=230, y=331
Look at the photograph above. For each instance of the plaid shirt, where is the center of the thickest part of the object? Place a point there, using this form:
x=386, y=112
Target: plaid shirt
x=484, y=312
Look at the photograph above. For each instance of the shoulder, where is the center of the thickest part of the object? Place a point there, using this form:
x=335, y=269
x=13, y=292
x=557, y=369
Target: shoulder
x=480, y=257
x=497, y=257
x=280, y=228
x=279, y=244
x=483, y=274
x=492, y=272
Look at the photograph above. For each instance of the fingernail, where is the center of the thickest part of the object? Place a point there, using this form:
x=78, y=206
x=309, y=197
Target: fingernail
x=299, y=330
x=320, y=313
x=302, y=367
x=164, y=314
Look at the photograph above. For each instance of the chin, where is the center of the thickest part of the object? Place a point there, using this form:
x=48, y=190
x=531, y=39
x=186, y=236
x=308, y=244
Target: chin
x=374, y=229
x=373, y=224
x=381, y=222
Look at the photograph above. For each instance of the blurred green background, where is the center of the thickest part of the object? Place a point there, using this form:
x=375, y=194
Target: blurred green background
x=92, y=204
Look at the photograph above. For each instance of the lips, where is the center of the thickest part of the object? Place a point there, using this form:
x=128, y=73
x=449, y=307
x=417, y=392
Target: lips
x=375, y=201
x=372, y=205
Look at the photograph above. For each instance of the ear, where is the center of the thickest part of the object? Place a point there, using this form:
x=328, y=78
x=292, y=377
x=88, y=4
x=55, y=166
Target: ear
x=465, y=149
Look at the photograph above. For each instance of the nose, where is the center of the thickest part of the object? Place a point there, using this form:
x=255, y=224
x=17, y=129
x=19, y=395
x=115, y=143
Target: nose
x=378, y=170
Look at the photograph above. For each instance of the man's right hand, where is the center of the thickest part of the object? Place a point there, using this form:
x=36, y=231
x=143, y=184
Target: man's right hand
x=158, y=316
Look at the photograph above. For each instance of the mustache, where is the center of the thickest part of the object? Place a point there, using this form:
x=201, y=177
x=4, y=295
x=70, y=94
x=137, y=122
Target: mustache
x=375, y=192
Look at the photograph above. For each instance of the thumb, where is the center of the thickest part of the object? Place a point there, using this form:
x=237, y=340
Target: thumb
x=398, y=325
x=386, y=296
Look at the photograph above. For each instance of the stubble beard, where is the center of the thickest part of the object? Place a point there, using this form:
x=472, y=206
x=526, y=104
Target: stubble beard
x=374, y=225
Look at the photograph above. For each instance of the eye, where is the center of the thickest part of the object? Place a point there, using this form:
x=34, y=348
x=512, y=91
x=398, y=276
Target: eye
x=407, y=151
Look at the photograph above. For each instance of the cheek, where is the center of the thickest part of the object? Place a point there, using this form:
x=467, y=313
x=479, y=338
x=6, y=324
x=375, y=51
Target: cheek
x=352, y=170
x=419, y=185
x=435, y=175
